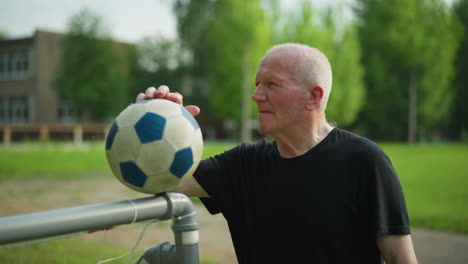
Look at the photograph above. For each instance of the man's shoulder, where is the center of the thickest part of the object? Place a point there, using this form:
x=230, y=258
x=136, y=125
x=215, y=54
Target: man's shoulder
x=356, y=143
x=261, y=144
x=262, y=147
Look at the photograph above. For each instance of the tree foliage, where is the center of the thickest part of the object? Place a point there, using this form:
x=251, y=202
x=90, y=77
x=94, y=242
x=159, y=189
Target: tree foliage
x=159, y=61
x=219, y=34
x=460, y=108
x=4, y=34
x=399, y=41
x=91, y=74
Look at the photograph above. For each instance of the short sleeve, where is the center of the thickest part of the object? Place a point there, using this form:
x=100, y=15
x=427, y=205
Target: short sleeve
x=386, y=199
x=206, y=177
x=216, y=176
x=230, y=178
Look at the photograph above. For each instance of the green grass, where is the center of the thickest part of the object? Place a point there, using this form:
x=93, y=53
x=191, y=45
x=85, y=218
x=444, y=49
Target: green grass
x=62, y=161
x=71, y=251
x=434, y=177
x=435, y=182
x=50, y=162
x=68, y=251
x=212, y=148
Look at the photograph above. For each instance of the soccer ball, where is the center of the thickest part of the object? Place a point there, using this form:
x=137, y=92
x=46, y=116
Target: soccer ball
x=152, y=145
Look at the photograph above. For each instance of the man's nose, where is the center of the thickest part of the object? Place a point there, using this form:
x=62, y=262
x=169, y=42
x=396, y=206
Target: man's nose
x=258, y=95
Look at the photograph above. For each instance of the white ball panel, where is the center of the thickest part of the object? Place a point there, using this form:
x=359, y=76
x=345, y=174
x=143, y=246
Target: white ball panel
x=197, y=146
x=163, y=108
x=126, y=144
x=131, y=115
x=155, y=157
x=161, y=182
x=113, y=164
x=179, y=132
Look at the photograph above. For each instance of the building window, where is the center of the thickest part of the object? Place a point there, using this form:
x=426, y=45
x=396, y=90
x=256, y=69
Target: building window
x=4, y=69
x=14, y=109
x=14, y=64
x=67, y=112
x=4, y=112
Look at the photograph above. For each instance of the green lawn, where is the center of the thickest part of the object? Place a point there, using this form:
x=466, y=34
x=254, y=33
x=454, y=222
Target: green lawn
x=434, y=177
x=57, y=161
x=72, y=251
x=68, y=251
x=435, y=182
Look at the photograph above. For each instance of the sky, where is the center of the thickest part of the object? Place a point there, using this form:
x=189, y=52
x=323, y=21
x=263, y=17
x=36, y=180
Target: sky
x=128, y=20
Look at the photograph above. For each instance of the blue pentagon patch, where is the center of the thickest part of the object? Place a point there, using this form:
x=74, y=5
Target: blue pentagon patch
x=150, y=127
x=132, y=174
x=183, y=161
x=111, y=135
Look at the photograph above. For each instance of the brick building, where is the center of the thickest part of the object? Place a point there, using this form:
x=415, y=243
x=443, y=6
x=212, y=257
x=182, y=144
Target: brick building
x=28, y=103
x=27, y=70
x=27, y=67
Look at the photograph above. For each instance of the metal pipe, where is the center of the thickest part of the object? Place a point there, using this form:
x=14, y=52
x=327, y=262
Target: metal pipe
x=30, y=226
x=185, y=230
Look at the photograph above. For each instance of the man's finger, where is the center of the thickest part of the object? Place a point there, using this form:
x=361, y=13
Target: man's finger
x=140, y=97
x=162, y=92
x=150, y=92
x=175, y=97
x=193, y=109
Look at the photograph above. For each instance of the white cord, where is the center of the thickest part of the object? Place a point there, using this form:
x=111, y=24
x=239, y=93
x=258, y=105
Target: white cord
x=112, y=259
x=132, y=251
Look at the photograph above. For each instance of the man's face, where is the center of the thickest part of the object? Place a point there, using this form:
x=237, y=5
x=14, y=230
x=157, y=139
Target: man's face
x=280, y=100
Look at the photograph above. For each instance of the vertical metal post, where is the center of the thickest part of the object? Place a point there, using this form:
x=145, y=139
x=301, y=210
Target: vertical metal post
x=185, y=228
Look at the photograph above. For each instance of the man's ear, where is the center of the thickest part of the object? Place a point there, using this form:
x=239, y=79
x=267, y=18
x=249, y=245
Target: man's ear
x=314, y=97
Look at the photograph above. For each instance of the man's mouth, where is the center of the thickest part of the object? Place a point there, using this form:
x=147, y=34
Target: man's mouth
x=264, y=112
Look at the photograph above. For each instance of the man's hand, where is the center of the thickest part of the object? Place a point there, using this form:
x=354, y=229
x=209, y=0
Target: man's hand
x=163, y=92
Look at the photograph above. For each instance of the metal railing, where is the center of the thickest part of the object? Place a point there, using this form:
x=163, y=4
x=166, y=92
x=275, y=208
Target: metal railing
x=178, y=207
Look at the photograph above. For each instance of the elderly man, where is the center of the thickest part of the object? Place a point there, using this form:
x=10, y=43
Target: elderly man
x=316, y=193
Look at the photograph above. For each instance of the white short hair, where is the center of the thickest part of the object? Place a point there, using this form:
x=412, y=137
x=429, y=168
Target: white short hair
x=313, y=67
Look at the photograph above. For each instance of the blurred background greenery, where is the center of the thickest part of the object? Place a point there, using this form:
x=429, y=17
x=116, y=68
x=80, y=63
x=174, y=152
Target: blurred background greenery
x=400, y=66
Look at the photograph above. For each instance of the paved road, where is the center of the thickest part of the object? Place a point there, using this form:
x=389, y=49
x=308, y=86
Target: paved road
x=436, y=247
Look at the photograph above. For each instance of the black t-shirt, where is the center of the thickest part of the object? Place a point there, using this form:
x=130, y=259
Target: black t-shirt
x=325, y=206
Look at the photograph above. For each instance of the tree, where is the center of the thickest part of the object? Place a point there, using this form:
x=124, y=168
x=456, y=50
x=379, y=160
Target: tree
x=159, y=60
x=340, y=44
x=91, y=74
x=4, y=34
x=226, y=46
x=408, y=85
x=459, y=120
